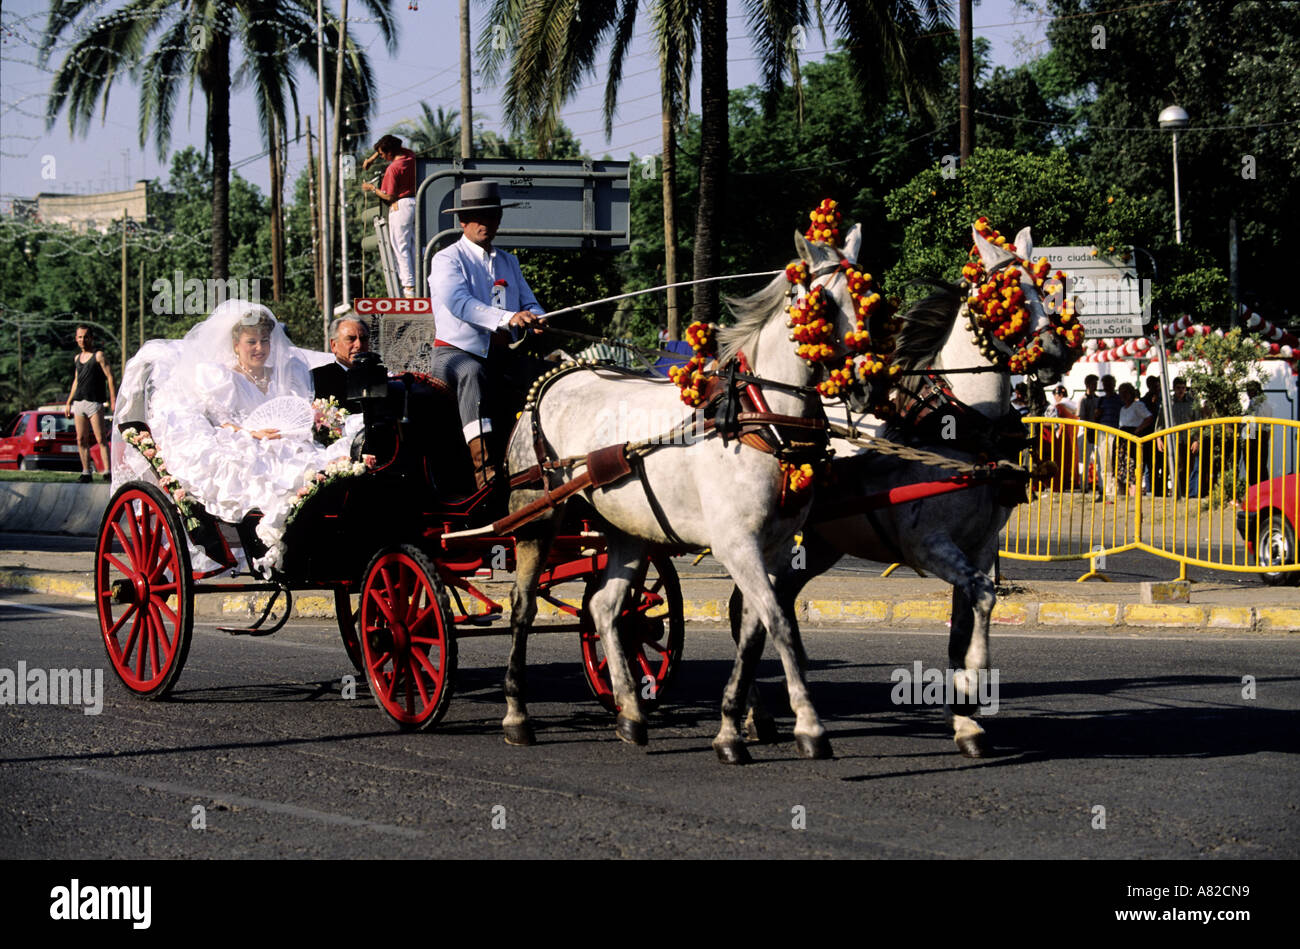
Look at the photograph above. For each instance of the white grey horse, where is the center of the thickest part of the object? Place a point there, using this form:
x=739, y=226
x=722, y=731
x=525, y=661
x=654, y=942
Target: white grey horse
x=952, y=535
x=697, y=494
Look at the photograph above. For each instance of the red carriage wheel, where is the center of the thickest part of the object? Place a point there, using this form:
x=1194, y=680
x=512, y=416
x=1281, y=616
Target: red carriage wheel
x=144, y=591
x=347, y=620
x=408, y=643
x=652, y=628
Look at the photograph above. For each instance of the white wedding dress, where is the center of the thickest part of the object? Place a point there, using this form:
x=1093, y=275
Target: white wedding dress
x=228, y=471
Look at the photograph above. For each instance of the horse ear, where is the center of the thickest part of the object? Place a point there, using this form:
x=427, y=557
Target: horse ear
x=990, y=254
x=803, y=248
x=815, y=254
x=853, y=243
x=1024, y=244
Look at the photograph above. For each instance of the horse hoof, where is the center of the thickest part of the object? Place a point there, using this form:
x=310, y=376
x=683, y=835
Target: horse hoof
x=761, y=730
x=733, y=752
x=521, y=734
x=974, y=746
x=634, y=733
x=813, y=746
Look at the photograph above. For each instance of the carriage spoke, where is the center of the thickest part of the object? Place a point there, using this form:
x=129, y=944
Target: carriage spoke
x=378, y=665
x=390, y=594
x=408, y=676
x=148, y=547
x=161, y=567
x=391, y=693
x=140, y=633
x=644, y=663
x=119, y=565
x=154, y=646
x=422, y=618
x=128, y=551
x=385, y=608
x=167, y=646
x=161, y=604
x=419, y=679
x=435, y=674
x=137, y=544
x=411, y=600
x=126, y=614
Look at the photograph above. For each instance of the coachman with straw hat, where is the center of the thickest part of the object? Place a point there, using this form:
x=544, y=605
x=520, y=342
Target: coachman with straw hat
x=477, y=291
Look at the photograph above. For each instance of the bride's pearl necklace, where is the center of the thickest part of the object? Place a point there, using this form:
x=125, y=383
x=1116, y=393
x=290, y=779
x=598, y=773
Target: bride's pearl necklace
x=261, y=379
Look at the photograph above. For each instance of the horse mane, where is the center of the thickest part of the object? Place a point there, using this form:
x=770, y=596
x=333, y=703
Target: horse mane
x=751, y=313
x=926, y=325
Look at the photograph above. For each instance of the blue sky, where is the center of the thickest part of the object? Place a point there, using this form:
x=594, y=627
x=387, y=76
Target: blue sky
x=426, y=68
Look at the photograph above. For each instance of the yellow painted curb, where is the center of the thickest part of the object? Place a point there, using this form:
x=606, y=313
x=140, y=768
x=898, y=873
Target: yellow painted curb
x=1277, y=617
x=78, y=588
x=1078, y=614
x=315, y=606
x=841, y=611
x=1230, y=617
x=713, y=611
x=1010, y=614
x=1165, y=614
x=918, y=611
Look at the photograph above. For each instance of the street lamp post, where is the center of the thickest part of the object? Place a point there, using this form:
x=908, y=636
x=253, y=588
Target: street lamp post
x=1175, y=118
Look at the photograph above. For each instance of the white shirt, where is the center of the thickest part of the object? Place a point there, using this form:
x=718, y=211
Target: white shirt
x=1257, y=408
x=1132, y=416
x=461, y=279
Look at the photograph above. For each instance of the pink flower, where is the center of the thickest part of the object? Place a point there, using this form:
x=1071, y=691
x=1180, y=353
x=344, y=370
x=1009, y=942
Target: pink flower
x=319, y=476
x=304, y=491
x=150, y=452
x=181, y=494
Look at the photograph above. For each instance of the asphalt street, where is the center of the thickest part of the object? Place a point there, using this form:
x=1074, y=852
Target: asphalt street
x=259, y=754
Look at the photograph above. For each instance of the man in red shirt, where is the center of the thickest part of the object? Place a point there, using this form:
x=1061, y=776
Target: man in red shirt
x=397, y=190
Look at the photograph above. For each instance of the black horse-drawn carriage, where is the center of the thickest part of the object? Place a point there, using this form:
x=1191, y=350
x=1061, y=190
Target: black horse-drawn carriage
x=379, y=541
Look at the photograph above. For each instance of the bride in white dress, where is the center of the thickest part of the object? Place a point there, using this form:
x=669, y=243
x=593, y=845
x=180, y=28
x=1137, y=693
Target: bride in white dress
x=232, y=417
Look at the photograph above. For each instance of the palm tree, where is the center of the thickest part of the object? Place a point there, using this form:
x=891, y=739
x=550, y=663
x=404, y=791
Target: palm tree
x=434, y=134
x=555, y=45
x=192, y=40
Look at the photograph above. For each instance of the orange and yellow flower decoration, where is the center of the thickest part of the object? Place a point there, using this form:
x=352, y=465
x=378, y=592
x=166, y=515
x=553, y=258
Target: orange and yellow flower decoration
x=999, y=310
x=812, y=333
x=691, y=378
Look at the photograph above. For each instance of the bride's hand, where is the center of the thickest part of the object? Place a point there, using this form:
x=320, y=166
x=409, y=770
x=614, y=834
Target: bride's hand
x=266, y=433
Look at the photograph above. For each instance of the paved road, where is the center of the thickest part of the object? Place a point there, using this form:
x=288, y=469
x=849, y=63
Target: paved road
x=259, y=737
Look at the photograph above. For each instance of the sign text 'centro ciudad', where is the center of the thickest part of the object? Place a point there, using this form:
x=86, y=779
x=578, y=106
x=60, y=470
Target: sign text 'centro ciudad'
x=1111, y=300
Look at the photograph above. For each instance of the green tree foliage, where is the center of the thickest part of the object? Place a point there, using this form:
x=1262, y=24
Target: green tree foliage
x=205, y=44
x=1217, y=369
x=1227, y=64
x=1052, y=195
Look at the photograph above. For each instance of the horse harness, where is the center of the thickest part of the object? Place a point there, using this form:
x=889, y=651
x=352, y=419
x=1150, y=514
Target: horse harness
x=733, y=408
x=932, y=414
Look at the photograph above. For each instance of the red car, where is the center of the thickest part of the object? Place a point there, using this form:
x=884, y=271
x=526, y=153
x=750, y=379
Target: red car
x=1267, y=520
x=43, y=439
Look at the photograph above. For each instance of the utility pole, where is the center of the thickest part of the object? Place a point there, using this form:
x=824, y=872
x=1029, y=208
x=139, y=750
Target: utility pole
x=315, y=216
x=326, y=256
x=966, y=83
x=337, y=194
x=466, y=100
x=126, y=216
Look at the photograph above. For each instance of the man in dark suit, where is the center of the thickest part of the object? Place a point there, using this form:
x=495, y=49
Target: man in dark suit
x=348, y=336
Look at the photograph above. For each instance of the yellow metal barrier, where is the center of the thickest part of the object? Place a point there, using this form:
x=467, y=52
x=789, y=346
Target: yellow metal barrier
x=1218, y=493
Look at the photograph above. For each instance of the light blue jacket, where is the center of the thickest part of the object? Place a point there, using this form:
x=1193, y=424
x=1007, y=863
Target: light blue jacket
x=461, y=279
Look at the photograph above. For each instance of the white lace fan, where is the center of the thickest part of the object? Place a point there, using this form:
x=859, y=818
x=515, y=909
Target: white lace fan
x=291, y=414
